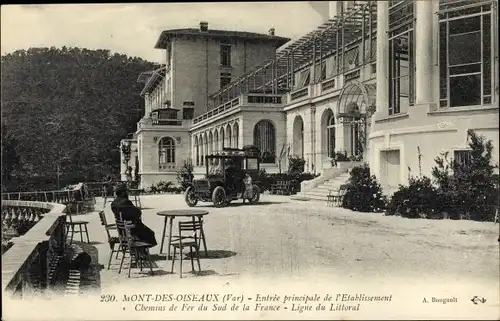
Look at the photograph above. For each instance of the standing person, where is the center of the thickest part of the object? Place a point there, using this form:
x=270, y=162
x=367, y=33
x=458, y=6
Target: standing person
x=248, y=192
x=109, y=186
x=130, y=213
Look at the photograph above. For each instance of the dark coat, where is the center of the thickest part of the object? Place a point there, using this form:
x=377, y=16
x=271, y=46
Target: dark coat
x=133, y=214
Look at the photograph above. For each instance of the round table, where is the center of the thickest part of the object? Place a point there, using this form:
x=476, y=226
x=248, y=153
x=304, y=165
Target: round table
x=170, y=215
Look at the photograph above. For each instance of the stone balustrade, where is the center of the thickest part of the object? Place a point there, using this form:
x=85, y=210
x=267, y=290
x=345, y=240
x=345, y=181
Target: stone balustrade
x=31, y=264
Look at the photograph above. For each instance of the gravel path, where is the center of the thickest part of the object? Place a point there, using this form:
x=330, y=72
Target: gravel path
x=283, y=247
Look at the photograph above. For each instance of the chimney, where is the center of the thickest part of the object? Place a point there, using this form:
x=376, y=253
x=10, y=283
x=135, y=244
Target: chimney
x=271, y=32
x=204, y=26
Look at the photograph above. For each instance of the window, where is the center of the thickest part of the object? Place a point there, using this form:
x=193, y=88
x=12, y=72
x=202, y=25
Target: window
x=264, y=137
x=225, y=79
x=167, y=113
x=401, y=56
x=202, y=151
x=462, y=157
x=166, y=154
x=197, y=151
x=304, y=78
x=331, y=136
x=225, y=55
x=465, y=53
x=188, y=113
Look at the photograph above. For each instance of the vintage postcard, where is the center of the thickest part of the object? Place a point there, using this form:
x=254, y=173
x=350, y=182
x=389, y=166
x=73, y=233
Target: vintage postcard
x=303, y=160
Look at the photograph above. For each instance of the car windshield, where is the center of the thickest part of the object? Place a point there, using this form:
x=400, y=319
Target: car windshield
x=215, y=168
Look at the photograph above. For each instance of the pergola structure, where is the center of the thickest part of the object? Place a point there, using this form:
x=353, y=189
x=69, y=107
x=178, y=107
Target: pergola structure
x=276, y=75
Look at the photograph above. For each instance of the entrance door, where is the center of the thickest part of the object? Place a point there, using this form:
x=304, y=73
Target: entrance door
x=390, y=169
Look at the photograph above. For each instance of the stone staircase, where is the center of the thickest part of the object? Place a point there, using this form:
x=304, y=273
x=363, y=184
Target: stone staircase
x=321, y=191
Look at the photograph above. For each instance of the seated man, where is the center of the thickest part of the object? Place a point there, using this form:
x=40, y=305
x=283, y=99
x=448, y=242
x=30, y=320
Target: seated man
x=130, y=213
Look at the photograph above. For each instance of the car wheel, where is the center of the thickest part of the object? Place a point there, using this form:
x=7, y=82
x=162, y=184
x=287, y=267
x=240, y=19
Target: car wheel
x=190, y=197
x=219, y=196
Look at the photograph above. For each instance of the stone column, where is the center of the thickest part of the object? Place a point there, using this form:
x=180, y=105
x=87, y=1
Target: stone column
x=241, y=137
x=147, y=105
x=312, y=159
x=423, y=51
x=382, y=99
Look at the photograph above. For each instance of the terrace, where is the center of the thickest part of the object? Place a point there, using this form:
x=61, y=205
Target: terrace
x=245, y=100
x=298, y=245
x=33, y=239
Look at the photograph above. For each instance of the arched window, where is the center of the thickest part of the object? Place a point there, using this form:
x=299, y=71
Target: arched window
x=166, y=154
x=330, y=128
x=236, y=134
x=216, y=141
x=264, y=137
x=229, y=136
x=202, y=151
x=197, y=152
x=222, y=139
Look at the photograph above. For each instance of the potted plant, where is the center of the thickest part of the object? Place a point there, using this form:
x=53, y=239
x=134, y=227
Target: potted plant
x=341, y=160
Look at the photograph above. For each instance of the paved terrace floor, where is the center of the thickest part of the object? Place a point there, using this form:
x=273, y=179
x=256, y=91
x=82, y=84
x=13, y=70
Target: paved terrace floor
x=318, y=247
x=282, y=237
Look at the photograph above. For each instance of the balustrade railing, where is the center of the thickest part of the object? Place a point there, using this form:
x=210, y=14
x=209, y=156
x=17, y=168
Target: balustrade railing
x=80, y=194
x=299, y=93
x=219, y=110
x=32, y=263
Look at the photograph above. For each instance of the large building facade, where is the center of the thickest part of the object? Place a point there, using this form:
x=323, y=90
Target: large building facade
x=390, y=83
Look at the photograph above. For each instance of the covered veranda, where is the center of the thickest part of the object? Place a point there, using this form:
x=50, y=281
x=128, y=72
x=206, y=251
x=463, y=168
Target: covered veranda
x=335, y=37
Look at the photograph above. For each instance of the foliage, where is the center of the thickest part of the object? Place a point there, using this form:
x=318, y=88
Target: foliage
x=468, y=189
x=417, y=200
x=185, y=175
x=10, y=159
x=136, y=172
x=364, y=193
x=296, y=165
x=164, y=187
x=340, y=157
x=69, y=107
x=267, y=180
x=285, y=151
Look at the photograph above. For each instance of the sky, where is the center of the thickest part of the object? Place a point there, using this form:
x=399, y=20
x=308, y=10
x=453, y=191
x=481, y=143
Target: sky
x=133, y=29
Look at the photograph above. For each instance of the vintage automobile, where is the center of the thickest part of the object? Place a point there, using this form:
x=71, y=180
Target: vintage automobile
x=224, y=176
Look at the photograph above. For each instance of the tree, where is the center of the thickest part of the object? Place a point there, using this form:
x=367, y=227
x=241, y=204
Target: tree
x=468, y=188
x=10, y=158
x=70, y=104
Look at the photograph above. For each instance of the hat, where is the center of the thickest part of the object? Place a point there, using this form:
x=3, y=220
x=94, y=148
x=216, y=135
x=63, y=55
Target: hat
x=120, y=188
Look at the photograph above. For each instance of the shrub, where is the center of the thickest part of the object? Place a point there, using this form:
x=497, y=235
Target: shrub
x=341, y=157
x=468, y=189
x=267, y=180
x=417, y=200
x=296, y=165
x=364, y=193
x=185, y=175
x=161, y=187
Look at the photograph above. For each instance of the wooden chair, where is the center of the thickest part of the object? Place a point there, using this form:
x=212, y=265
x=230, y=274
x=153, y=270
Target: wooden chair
x=330, y=199
x=336, y=198
x=112, y=240
x=105, y=195
x=341, y=194
x=71, y=226
x=191, y=241
x=138, y=251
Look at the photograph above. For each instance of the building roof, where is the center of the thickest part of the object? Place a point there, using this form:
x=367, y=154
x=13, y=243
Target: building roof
x=151, y=78
x=166, y=35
